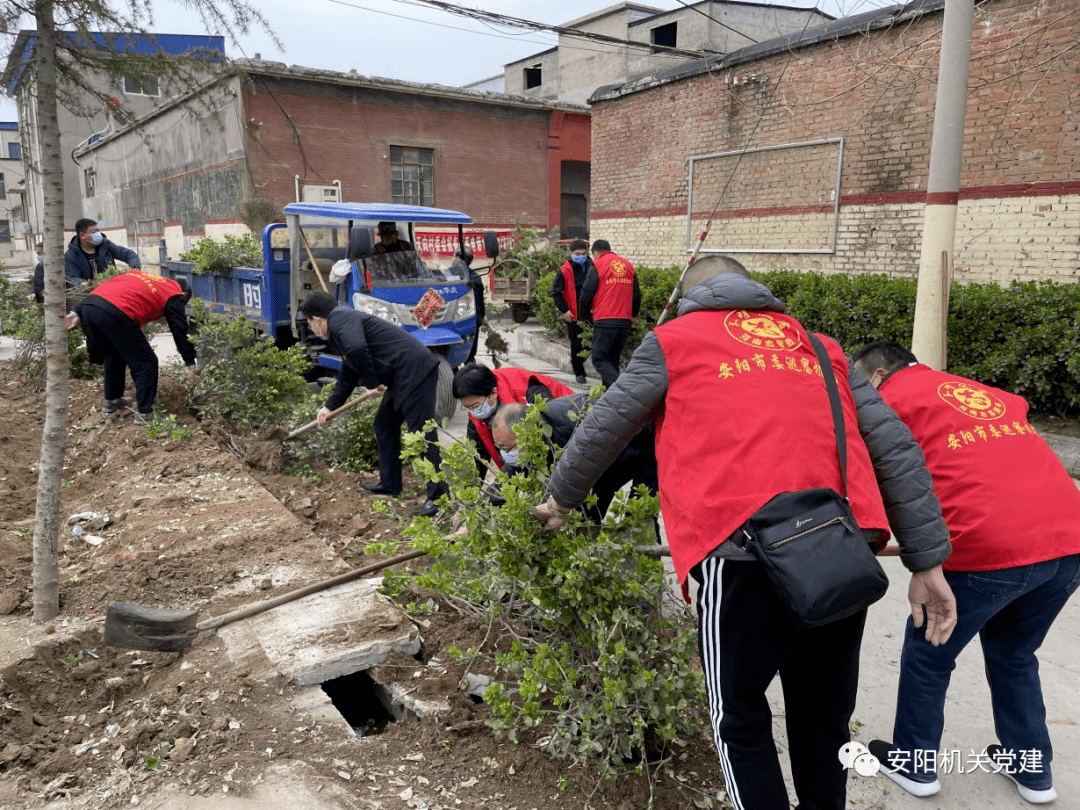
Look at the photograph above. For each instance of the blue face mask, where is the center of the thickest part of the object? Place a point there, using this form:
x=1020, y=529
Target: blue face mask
x=482, y=411
x=577, y=258
x=509, y=456
x=97, y=237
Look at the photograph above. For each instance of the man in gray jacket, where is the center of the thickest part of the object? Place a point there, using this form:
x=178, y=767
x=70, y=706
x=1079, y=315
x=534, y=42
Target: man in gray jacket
x=741, y=415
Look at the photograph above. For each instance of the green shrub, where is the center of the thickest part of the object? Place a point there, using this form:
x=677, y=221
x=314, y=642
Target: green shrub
x=211, y=256
x=590, y=649
x=1023, y=338
x=348, y=442
x=23, y=320
x=244, y=378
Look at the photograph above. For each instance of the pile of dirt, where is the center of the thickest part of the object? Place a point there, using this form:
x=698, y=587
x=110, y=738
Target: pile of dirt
x=187, y=524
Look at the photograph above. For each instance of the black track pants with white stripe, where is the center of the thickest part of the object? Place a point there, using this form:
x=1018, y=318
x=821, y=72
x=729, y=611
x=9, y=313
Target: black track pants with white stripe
x=746, y=637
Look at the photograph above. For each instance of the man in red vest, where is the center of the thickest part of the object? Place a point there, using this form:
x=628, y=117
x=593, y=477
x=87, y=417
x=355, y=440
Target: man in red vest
x=565, y=292
x=1014, y=518
x=742, y=414
x=112, y=317
x=610, y=299
x=481, y=391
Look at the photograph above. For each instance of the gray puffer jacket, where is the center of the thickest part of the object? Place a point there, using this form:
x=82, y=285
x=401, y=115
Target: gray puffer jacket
x=906, y=487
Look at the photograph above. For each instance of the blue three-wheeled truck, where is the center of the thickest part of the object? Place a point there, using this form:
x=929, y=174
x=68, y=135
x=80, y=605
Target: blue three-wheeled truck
x=331, y=247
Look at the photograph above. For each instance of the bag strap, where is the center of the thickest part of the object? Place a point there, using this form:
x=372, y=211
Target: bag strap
x=834, y=404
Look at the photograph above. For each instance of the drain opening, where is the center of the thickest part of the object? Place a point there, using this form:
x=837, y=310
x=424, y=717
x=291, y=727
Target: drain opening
x=361, y=701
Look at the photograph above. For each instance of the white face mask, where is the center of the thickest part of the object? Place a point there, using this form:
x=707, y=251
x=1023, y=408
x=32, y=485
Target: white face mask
x=97, y=237
x=482, y=411
x=509, y=456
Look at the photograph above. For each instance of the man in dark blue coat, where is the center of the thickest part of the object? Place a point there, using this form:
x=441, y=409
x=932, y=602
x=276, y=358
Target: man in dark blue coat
x=90, y=253
x=375, y=352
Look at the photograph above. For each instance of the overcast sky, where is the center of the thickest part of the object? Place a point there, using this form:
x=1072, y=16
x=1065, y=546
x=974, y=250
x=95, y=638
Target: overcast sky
x=402, y=39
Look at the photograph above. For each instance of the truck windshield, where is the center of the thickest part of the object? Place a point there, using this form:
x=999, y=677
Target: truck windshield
x=402, y=267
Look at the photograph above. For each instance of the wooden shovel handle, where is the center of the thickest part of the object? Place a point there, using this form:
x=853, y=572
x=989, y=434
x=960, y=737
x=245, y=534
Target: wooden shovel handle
x=314, y=263
x=374, y=392
x=307, y=590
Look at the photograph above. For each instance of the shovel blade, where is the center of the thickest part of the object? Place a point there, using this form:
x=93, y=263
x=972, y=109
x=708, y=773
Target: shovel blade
x=139, y=627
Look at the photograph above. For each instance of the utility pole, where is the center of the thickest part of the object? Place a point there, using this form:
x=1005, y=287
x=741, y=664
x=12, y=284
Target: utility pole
x=929, y=339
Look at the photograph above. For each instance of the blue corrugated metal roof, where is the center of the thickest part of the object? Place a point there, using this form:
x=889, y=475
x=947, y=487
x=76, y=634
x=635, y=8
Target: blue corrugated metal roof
x=9, y=126
x=206, y=47
x=377, y=211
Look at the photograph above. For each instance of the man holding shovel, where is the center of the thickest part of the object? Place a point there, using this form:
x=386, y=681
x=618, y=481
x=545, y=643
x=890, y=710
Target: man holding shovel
x=375, y=352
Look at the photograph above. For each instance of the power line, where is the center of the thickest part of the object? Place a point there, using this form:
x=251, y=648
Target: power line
x=519, y=22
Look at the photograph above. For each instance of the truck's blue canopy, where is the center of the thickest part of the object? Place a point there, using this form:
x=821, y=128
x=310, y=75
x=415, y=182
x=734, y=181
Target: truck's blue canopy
x=377, y=211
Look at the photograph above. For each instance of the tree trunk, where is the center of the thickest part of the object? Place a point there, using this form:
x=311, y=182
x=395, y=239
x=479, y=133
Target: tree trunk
x=54, y=435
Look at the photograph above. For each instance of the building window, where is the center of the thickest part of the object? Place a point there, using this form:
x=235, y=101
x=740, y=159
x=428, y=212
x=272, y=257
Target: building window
x=665, y=36
x=14, y=151
x=534, y=76
x=90, y=177
x=5, y=232
x=3, y=188
x=134, y=86
x=412, y=179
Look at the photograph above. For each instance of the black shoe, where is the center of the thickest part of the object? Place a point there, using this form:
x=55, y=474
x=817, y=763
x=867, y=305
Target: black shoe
x=378, y=489
x=581, y=379
x=429, y=509
x=113, y=405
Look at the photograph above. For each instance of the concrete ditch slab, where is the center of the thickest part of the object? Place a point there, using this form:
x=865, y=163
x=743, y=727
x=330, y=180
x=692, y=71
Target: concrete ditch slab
x=326, y=635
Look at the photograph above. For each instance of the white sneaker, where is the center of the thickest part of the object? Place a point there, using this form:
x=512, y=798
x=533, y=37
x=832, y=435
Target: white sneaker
x=1032, y=795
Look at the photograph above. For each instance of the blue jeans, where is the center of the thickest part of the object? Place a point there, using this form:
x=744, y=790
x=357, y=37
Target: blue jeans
x=1011, y=610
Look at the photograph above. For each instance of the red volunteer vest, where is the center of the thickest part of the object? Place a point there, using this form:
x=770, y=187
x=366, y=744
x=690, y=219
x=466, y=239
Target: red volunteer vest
x=569, y=290
x=139, y=295
x=1006, y=497
x=511, y=385
x=746, y=417
x=615, y=292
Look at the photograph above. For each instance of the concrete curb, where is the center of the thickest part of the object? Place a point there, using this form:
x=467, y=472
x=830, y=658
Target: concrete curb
x=533, y=341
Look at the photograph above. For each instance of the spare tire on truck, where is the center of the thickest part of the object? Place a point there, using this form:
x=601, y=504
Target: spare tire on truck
x=445, y=404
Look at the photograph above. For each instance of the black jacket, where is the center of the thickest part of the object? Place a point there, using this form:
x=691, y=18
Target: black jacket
x=80, y=266
x=375, y=352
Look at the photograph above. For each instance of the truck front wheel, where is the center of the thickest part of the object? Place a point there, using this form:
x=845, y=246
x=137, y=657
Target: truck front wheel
x=520, y=312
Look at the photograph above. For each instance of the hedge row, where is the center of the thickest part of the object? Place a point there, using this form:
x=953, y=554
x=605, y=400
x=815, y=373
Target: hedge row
x=1023, y=338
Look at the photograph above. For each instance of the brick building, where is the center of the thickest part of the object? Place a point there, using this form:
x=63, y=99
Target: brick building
x=814, y=149
x=272, y=134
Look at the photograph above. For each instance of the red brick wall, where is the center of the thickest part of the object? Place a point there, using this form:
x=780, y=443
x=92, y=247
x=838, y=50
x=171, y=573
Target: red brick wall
x=490, y=162
x=878, y=93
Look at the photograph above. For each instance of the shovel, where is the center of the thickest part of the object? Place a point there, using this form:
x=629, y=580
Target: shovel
x=139, y=627
x=374, y=392
x=264, y=453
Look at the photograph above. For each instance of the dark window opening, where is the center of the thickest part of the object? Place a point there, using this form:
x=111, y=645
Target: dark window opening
x=3, y=188
x=90, y=178
x=665, y=36
x=5, y=232
x=533, y=77
x=134, y=86
x=361, y=701
x=412, y=175
x=14, y=151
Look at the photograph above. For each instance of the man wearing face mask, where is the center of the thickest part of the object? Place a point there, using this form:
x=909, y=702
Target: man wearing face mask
x=636, y=464
x=90, y=253
x=481, y=391
x=565, y=292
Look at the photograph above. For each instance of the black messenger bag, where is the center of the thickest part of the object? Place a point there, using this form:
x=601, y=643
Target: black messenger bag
x=813, y=551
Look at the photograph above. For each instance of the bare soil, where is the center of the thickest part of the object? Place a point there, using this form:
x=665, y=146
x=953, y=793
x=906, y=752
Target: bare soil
x=188, y=524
